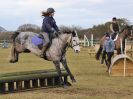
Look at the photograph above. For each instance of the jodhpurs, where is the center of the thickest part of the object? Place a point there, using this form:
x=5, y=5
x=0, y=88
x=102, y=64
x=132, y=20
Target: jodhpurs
x=109, y=56
x=46, y=40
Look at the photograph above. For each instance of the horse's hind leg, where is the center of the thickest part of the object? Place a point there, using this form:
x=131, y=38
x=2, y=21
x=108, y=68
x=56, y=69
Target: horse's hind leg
x=64, y=63
x=12, y=55
x=103, y=57
x=97, y=56
x=57, y=65
x=16, y=56
x=119, y=51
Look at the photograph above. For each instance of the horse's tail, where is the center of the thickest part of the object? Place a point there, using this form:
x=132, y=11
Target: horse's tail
x=98, y=53
x=14, y=36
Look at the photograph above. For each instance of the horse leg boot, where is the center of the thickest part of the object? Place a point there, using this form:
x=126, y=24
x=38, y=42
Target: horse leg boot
x=57, y=65
x=64, y=63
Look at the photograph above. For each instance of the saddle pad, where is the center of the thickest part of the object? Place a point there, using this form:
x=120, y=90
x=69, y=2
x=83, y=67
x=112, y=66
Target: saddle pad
x=116, y=37
x=36, y=40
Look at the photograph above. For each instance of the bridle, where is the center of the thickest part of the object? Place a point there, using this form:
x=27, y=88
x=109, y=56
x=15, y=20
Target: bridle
x=73, y=45
x=68, y=44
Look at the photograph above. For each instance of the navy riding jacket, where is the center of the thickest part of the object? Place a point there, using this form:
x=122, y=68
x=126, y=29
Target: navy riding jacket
x=49, y=25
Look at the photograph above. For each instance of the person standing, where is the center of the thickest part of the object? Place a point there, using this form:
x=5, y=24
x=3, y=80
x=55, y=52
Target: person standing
x=108, y=48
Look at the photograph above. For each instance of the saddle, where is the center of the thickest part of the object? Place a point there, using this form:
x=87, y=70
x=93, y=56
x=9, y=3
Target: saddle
x=38, y=40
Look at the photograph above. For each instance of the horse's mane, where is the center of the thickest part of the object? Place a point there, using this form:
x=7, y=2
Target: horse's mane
x=126, y=27
x=66, y=30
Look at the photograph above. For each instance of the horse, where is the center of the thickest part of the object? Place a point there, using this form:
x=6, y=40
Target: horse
x=119, y=43
x=56, y=53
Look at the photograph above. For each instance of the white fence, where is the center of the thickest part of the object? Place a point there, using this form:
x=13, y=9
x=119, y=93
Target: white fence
x=4, y=43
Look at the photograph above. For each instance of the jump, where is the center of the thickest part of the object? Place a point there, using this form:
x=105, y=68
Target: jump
x=119, y=43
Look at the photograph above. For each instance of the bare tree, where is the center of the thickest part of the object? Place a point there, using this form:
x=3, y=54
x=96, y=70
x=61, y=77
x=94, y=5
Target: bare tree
x=29, y=27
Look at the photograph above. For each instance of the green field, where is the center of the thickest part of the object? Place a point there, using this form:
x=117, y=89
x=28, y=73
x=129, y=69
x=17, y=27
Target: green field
x=93, y=82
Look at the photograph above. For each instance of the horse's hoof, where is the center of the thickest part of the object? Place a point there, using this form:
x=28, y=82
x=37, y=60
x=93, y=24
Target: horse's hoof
x=68, y=84
x=11, y=61
x=102, y=62
x=107, y=70
x=73, y=80
x=65, y=86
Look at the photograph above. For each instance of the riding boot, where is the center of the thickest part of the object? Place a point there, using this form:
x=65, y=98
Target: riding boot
x=44, y=48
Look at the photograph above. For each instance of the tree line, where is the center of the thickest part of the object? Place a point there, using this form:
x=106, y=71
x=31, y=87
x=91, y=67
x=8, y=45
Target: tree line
x=97, y=30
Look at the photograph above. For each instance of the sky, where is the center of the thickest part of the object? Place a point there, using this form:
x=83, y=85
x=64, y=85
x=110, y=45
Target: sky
x=83, y=13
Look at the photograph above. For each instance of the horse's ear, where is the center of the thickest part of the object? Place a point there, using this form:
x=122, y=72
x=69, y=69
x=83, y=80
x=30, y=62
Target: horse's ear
x=74, y=33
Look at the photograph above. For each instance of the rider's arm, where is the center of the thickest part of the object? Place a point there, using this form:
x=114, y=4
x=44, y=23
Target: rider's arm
x=111, y=28
x=55, y=26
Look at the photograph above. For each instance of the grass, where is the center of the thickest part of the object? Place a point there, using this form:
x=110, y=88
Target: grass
x=92, y=80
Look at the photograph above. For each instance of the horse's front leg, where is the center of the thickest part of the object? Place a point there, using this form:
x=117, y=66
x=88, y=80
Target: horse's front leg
x=57, y=66
x=64, y=63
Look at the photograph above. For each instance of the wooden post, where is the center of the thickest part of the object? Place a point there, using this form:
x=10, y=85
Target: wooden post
x=125, y=60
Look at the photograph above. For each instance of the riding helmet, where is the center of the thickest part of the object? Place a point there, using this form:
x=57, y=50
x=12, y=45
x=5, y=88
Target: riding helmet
x=50, y=10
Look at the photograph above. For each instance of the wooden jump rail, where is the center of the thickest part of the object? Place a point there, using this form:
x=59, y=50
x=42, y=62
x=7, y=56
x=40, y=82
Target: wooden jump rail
x=29, y=80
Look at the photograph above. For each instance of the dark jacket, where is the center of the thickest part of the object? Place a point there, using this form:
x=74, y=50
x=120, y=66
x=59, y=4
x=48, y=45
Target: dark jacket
x=115, y=27
x=49, y=25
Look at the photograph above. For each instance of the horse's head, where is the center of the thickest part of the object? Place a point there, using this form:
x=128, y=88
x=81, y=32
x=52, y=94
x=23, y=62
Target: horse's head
x=72, y=38
x=75, y=42
x=128, y=31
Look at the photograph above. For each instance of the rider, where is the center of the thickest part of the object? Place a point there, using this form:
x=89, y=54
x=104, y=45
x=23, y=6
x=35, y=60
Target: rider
x=114, y=27
x=49, y=26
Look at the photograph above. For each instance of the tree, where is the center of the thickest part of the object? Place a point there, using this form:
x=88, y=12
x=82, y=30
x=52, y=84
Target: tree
x=99, y=30
x=29, y=27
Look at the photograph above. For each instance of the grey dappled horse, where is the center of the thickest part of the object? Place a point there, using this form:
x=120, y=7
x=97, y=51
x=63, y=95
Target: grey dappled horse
x=22, y=42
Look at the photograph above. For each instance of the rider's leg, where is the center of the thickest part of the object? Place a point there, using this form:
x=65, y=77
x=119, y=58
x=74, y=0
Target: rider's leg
x=45, y=44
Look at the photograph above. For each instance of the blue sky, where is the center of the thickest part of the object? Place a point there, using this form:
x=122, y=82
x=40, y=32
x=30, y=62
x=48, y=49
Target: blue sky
x=84, y=13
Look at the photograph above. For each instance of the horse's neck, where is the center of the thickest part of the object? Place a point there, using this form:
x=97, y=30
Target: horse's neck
x=123, y=35
x=61, y=41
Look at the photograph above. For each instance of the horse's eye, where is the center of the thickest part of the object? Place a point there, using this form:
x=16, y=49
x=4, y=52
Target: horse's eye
x=74, y=40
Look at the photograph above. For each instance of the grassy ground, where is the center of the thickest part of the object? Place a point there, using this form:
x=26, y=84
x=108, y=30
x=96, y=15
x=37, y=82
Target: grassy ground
x=92, y=80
